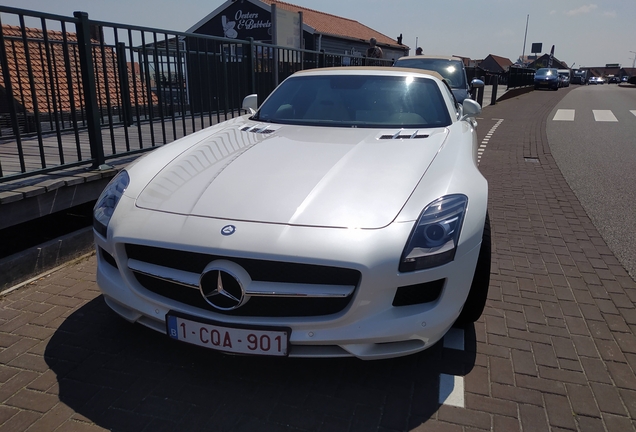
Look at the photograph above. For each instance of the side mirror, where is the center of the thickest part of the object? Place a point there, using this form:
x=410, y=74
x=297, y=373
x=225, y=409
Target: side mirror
x=250, y=103
x=476, y=83
x=470, y=109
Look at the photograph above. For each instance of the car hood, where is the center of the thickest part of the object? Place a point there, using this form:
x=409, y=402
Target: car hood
x=296, y=175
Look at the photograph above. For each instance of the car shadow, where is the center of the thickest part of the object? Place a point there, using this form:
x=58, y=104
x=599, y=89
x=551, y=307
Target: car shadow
x=126, y=377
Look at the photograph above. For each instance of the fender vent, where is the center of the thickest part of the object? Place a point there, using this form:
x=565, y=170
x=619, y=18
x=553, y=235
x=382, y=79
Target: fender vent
x=258, y=129
x=401, y=135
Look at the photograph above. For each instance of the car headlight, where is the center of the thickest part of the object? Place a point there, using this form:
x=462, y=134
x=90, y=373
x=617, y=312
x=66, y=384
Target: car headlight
x=107, y=201
x=433, y=241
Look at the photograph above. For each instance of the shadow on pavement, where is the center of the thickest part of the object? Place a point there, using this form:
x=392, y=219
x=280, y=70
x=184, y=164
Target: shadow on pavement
x=125, y=377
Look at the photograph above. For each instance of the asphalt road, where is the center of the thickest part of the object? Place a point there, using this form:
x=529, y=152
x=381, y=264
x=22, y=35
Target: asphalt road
x=592, y=136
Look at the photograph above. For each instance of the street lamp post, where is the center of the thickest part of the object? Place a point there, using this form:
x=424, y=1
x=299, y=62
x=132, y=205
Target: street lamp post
x=634, y=61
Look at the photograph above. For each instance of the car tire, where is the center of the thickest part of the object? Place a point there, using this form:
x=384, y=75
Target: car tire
x=476, y=300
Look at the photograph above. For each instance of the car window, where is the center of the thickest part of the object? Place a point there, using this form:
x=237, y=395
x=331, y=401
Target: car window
x=357, y=101
x=452, y=97
x=453, y=70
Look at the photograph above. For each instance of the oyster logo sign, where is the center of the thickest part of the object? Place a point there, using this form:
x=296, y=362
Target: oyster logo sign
x=228, y=28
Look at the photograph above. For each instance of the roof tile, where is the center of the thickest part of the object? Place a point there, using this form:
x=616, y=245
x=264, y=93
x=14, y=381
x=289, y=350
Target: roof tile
x=36, y=47
x=334, y=25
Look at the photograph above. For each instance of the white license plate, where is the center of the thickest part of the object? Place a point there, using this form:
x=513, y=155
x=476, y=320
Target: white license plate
x=245, y=340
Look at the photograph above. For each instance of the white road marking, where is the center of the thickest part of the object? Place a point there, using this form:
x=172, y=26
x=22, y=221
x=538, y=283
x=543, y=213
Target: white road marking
x=604, y=116
x=454, y=339
x=451, y=387
x=487, y=138
x=564, y=115
x=633, y=112
x=451, y=390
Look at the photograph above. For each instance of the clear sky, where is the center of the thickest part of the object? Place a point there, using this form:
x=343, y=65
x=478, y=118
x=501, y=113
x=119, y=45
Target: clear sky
x=584, y=32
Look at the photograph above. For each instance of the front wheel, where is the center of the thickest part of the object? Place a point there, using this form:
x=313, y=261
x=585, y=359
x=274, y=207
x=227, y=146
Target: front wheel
x=476, y=301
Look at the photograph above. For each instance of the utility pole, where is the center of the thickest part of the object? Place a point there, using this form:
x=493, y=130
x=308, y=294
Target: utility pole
x=633, y=62
x=523, y=54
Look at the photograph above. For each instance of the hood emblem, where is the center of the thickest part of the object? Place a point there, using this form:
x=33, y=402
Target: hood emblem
x=222, y=290
x=228, y=230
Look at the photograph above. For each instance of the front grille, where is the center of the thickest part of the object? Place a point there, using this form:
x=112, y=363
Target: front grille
x=259, y=270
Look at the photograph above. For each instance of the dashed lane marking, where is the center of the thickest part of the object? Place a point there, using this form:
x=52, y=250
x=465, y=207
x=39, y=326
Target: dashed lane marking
x=604, y=116
x=599, y=115
x=564, y=115
x=484, y=142
x=451, y=390
x=451, y=387
x=454, y=339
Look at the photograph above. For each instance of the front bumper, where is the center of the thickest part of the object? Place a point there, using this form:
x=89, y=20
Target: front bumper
x=546, y=84
x=369, y=327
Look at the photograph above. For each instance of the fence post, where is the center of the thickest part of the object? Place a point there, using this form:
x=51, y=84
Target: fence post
x=493, y=97
x=124, y=84
x=90, y=90
x=251, y=61
x=480, y=92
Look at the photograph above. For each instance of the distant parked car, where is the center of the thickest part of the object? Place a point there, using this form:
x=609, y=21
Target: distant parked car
x=579, y=76
x=564, y=76
x=546, y=78
x=449, y=67
x=596, y=80
x=614, y=80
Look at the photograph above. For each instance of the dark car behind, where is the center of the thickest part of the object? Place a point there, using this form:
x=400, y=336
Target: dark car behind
x=546, y=78
x=451, y=68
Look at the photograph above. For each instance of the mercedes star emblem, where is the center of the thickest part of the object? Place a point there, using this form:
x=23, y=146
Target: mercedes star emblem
x=222, y=290
x=228, y=230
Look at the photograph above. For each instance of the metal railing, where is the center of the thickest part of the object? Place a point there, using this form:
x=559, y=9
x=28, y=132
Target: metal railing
x=520, y=77
x=75, y=91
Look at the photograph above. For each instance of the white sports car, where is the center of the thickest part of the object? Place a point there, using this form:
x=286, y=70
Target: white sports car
x=346, y=217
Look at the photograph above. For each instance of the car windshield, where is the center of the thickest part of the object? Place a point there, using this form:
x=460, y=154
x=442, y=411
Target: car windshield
x=452, y=70
x=357, y=101
x=546, y=72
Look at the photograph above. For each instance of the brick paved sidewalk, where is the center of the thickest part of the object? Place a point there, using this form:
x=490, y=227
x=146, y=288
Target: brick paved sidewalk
x=557, y=338
x=555, y=349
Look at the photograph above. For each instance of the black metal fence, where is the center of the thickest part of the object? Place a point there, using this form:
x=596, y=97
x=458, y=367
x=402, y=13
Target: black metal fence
x=75, y=91
x=520, y=77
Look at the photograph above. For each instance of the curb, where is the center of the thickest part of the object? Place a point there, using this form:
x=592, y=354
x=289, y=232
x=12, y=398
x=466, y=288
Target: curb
x=515, y=92
x=24, y=265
